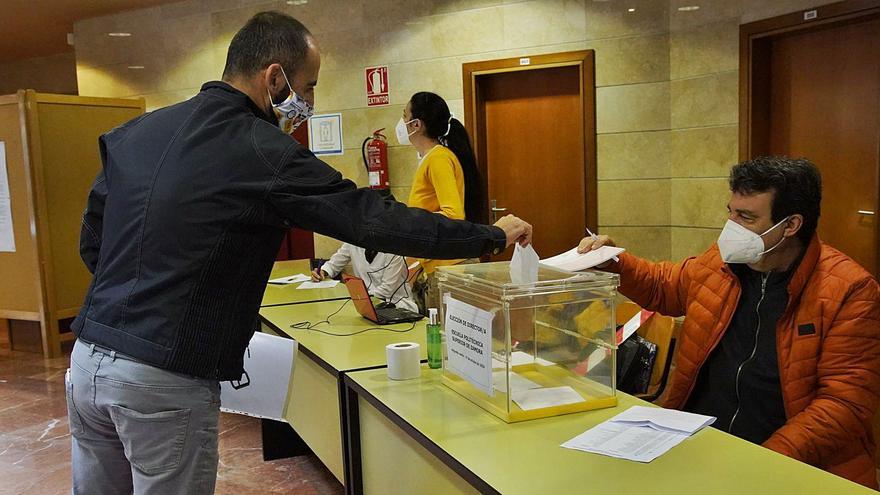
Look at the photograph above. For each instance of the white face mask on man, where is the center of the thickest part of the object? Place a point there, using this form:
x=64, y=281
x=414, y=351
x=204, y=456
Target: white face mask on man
x=291, y=112
x=740, y=245
x=402, y=133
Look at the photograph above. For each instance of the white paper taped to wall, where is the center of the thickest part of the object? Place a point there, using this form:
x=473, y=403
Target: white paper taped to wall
x=4, y=178
x=7, y=235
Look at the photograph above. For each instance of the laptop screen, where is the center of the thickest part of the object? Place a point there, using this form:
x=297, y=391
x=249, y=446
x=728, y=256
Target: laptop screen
x=360, y=297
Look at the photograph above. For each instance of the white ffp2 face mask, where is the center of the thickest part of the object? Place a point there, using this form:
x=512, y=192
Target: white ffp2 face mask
x=740, y=245
x=291, y=112
x=402, y=134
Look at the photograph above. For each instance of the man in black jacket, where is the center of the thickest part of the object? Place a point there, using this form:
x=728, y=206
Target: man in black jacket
x=180, y=232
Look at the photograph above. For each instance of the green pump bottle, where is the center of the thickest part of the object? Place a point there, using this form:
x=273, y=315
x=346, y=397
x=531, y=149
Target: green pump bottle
x=435, y=351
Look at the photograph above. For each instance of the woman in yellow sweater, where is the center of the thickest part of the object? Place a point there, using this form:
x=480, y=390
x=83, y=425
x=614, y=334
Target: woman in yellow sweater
x=447, y=181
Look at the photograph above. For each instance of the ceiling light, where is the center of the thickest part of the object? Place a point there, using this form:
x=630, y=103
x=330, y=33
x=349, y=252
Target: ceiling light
x=630, y=10
x=296, y=2
x=135, y=66
x=119, y=35
x=689, y=8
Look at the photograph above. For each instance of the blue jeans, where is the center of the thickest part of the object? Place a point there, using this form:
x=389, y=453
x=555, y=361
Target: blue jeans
x=139, y=429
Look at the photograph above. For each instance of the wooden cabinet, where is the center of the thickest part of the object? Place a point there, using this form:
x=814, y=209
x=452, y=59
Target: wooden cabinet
x=52, y=158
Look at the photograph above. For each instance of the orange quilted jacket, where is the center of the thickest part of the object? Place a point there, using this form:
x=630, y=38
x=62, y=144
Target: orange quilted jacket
x=830, y=378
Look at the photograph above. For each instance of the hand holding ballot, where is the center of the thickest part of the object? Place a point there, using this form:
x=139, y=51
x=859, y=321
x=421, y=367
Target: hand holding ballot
x=515, y=229
x=592, y=252
x=595, y=242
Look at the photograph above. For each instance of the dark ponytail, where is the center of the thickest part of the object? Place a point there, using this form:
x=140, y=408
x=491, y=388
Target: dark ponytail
x=442, y=126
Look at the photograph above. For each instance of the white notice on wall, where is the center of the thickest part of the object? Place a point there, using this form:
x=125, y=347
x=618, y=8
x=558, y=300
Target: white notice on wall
x=7, y=236
x=469, y=344
x=4, y=179
x=325, y=134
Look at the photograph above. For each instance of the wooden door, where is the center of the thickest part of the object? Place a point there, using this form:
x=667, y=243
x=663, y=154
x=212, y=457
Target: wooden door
x=535, y=143
x=820, y=88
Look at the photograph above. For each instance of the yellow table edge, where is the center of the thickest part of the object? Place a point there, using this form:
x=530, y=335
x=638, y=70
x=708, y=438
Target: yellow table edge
x=356, y=391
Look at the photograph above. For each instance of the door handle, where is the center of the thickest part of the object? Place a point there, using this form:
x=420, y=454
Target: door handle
x=866, y=213
x=496, y=210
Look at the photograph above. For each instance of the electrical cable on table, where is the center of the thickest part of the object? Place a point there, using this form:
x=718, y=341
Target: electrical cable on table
x=307, y=325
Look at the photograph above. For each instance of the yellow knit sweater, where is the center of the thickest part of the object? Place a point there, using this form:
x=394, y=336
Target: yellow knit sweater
x=438, y=186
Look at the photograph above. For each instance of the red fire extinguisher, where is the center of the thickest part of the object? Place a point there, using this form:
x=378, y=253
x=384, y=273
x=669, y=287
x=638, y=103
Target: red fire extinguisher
x=375, y=154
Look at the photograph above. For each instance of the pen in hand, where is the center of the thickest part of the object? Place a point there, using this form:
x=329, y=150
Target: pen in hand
x=595, y=237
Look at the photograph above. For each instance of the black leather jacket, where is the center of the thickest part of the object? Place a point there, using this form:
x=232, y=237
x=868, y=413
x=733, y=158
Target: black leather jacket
x=186, y=217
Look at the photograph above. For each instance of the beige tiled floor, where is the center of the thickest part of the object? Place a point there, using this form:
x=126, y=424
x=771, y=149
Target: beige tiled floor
x=35, y=441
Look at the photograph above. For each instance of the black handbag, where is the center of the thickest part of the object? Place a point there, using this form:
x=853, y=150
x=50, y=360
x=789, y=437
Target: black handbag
x=635, y=363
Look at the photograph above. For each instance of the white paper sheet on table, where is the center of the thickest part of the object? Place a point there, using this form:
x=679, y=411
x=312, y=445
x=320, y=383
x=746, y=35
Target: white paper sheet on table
x=634, y=443
x=640, y=433
x=573, y=261
x=292, y=279
x=324, y=284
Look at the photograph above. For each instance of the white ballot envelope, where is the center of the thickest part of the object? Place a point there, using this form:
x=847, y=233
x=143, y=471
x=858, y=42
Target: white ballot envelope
x=524, y=265
x=573, y=261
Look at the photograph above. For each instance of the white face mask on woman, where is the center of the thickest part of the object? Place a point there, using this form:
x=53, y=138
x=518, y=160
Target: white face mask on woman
x=402, y=134
x=740, y=245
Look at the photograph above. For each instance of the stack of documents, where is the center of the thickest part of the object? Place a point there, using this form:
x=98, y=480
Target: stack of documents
x=640, y=433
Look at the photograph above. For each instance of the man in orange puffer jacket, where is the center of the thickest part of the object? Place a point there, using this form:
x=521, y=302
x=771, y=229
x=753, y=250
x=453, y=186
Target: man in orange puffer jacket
x=781, y=337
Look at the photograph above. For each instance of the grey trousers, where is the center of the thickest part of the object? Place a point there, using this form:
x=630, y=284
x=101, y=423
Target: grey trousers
x=139, y=429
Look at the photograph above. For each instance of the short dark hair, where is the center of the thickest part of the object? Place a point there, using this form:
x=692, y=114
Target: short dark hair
x=795, y=182
x=267, y=38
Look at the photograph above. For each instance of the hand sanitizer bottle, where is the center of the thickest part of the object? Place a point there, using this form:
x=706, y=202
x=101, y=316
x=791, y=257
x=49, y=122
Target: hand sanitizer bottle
x=435, y=352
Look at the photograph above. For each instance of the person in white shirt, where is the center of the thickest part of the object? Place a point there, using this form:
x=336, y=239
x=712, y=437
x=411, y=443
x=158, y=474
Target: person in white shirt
x=385, y=275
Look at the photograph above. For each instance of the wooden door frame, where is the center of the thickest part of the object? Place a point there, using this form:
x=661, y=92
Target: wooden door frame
x=755, y=40
x=585, y=61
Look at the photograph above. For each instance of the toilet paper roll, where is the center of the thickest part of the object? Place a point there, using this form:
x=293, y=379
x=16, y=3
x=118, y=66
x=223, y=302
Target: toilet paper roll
x=403, y=360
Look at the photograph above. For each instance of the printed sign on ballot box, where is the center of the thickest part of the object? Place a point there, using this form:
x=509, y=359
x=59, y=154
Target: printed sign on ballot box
x=469, y=344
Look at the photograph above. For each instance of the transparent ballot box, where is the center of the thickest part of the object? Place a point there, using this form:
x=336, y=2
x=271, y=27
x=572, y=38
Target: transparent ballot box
x=533, y=350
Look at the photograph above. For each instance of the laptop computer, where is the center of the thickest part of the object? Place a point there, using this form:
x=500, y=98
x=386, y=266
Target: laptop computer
x=364, y=305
